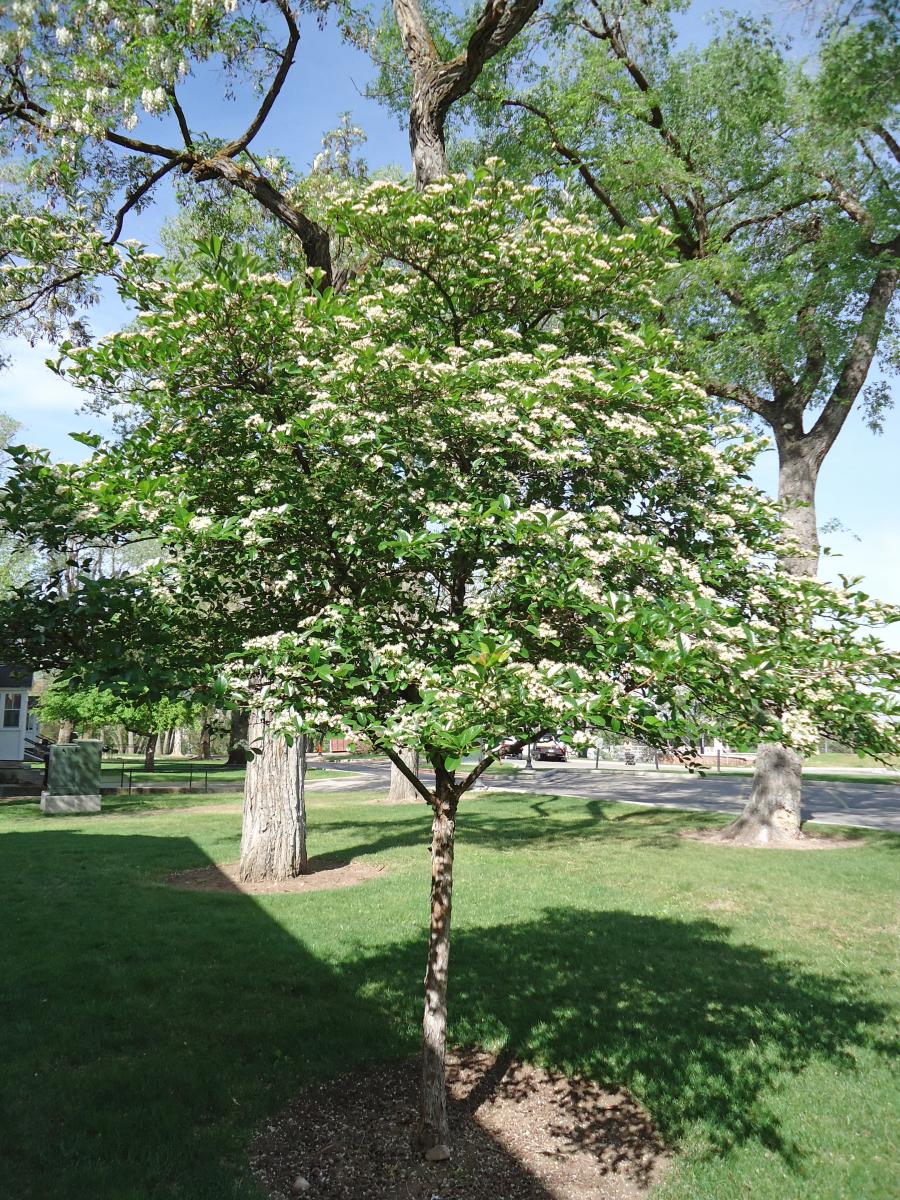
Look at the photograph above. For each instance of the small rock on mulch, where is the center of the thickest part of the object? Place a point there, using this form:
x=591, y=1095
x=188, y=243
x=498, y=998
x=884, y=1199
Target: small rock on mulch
x=517, y=1132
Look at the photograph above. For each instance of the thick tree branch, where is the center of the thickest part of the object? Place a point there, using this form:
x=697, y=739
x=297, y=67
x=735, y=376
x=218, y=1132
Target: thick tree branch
x=851, y=205
x=856, y=364
x=437, y=84
x=739, y=395
x=313, y=238
x=889, y=140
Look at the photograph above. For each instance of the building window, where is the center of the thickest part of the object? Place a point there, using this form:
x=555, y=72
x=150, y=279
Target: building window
x=12, y=710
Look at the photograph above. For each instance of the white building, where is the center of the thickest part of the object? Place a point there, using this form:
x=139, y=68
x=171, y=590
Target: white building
x=17, y=716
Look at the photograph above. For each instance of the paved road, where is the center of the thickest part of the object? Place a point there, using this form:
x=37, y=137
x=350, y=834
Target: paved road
x=867, y=805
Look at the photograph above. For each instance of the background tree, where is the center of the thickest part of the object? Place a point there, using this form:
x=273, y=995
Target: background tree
x=780, y=181
x=516, y=515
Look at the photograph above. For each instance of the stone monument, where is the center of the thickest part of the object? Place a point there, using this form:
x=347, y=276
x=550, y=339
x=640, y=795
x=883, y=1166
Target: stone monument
x=73, y=779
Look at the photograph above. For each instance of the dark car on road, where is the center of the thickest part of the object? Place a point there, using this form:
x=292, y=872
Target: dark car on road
x=550, y=749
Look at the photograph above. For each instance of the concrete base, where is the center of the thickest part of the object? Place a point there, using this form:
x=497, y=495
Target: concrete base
x=69, y=804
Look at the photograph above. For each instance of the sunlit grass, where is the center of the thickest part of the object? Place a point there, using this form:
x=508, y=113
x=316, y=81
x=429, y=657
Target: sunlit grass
x=745, y=997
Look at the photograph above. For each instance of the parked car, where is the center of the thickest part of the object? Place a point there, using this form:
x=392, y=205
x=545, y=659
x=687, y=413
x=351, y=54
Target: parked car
x=549, y=749
x=506, y=748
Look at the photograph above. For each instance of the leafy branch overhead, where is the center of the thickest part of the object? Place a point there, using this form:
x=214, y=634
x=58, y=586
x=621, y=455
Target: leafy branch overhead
x=76, y=83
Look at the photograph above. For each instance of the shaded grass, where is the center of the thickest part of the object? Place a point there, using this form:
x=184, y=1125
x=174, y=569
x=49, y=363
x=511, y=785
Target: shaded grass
x=744, y=997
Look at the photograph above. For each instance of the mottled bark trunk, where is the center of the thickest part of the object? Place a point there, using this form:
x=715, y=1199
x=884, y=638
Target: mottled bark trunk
x=433, y=1128
x=238, y=735
x=177, y=743
x=273, y=836
x=772, y=813
x=150, y=752
x=168, y=741
x=426, y=133
x=66, y=732
x=798, y=472
x=402, y=791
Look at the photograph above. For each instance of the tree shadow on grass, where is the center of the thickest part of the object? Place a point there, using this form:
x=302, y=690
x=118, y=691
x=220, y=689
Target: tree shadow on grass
x=696, y=1026
x=147, y=1031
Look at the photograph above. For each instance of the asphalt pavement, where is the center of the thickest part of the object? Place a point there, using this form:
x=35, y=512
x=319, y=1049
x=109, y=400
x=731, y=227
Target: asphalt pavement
x=866, y=805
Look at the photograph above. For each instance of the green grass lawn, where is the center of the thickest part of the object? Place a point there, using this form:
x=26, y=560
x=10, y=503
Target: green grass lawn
x=745, y=997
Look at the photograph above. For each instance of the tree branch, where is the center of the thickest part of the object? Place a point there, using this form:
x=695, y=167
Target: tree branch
x=766, y=218
x=738, y=395
x=856, y=364
x=313, y=238
x=573, y=157
x=287, y=59
x=180, y=117
x=137, y=195
x=889, y=140
x=437, y=84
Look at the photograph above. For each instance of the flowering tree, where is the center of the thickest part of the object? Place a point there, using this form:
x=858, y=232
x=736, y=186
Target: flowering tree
x=473, y=500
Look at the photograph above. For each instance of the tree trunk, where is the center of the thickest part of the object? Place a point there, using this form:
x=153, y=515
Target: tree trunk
x=433, y=1128
x=66, y=732
x=178, y=743
x=402, y=791
x=150, y=752
x=772, y=813
x=273, y=837
x=798, y=473
x=426, y=133
x=168, y=741
x=130, y=741
x=238, y=734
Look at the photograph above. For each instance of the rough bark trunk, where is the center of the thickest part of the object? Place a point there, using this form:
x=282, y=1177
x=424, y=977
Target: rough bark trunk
x=402, y=791
x=66, y=732
x=238, y=735
x=798, y=472
x=150, y=752
x=772, y=814
x=273, y=836
x=433, y=1128
x=426, y=134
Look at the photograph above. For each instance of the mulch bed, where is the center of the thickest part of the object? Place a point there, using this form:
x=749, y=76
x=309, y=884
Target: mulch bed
x=517, y=1133
x=322, y=875
x=806, y=841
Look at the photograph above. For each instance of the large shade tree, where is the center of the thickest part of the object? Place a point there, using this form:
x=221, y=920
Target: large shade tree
x=515, y=515
x=780, y=181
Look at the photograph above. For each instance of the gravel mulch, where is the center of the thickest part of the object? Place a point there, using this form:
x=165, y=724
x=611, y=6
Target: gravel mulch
x=517, y=1133
x=322, y=875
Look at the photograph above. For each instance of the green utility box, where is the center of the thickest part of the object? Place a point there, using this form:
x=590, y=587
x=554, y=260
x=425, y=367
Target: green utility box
x=73, y=778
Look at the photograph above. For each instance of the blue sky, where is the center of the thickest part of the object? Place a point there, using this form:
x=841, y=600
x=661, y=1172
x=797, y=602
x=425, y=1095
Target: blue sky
x=858, y=485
